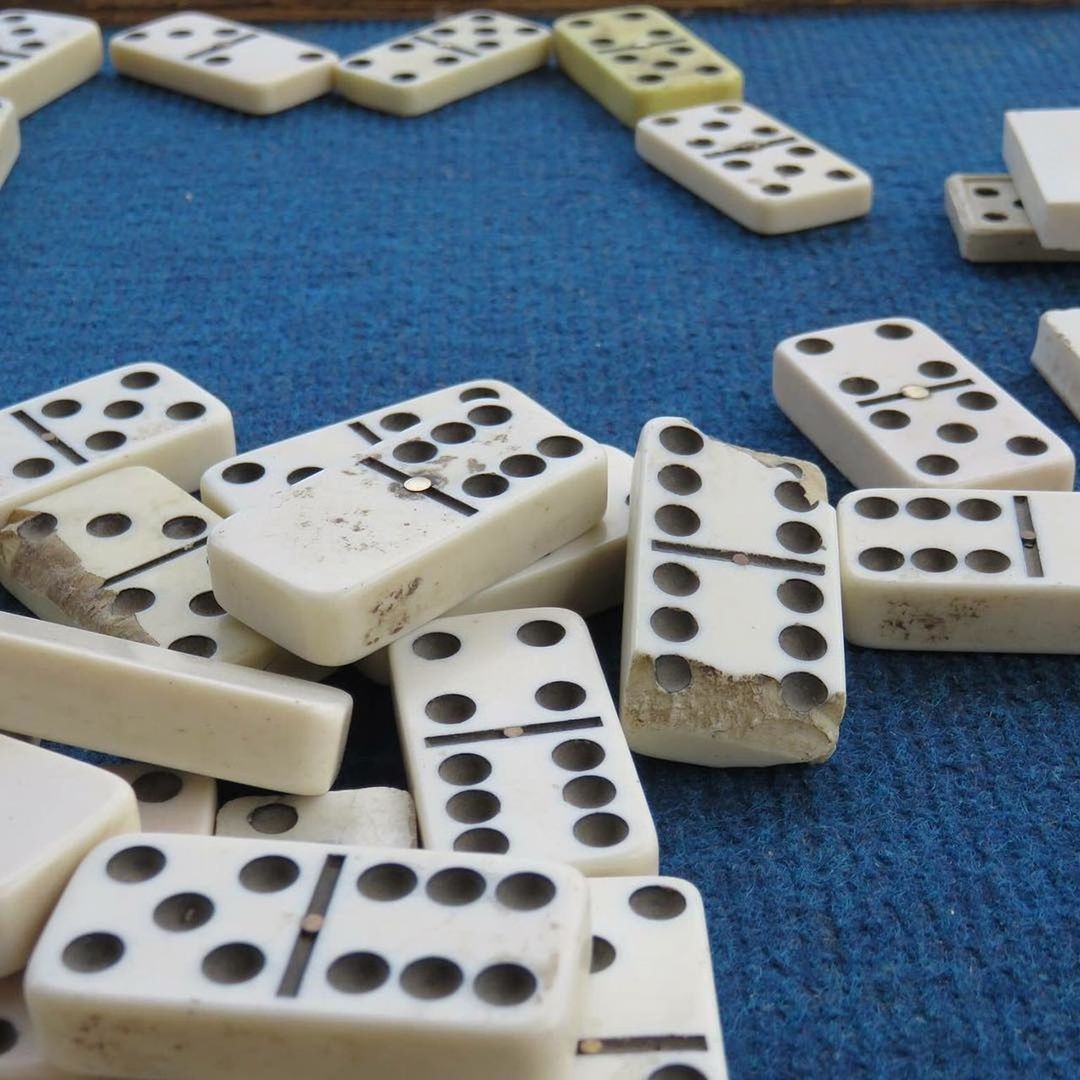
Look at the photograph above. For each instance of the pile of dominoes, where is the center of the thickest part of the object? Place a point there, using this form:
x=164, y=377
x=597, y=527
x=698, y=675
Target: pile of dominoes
x=504, y=918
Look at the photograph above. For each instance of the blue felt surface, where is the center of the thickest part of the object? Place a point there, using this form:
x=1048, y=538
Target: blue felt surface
x=908, y=908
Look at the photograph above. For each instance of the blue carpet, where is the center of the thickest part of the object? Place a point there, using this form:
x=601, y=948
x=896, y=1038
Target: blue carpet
x=907, y=909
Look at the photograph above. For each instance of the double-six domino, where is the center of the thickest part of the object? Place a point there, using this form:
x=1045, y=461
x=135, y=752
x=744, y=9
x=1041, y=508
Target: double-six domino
x=732, y=641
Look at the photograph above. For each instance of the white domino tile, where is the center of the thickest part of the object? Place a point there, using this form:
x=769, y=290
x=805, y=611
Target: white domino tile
x=178, y=711
x=733, y=649
x=443, y=62
x=21, y=1057
x=585, y=575
x=513, y=744
x=124, y=554
x=365, y=817
x=650, y=1010
x=142, y=414
x=224, y=62
x=53, y=810
x=961, y=571
x=217, y=958
x=9, y=139
x=44, y=55
x=1057, y=355
x=358, y=556
x=990, y=223
x=765, y=175
x=891, y=403
x=1041, y=148
x=170, y=801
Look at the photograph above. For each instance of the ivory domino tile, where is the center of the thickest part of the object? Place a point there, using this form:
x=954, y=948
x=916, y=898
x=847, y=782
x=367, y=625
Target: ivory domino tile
x=338, y=567
x=43, y=55
x=224, y=62
x=178, y=711
x=124, y=554
x=1057, y=355
x=765, y=175
x=443, y=62
x=218, y=957
x=1041, y=148
x=141, y=414
x=512, y=742
x=732, y=641
x=638, y=60
x=365, y=817
x=169, y=800
x=961, y=571
x=53, y=810
x=891, y=403
x=991, y=224
x=9, y=139
x=650, y=1011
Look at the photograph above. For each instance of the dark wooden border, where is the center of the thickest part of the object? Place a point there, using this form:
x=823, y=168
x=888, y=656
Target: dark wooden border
x=127, y=12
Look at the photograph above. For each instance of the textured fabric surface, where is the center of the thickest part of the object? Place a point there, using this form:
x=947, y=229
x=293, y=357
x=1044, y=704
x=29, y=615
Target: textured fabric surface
x=908, y=908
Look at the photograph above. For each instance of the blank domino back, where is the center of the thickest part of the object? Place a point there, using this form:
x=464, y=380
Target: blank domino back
x=1057, y=354
x=765, y=175
x=124, y=554
x=990, y=222
x=961, y=571
x=639, y=60
x=9, y=139
x=650, y=1011
x=443, y=62
x=732, y=644
x=142, y=414
x=184, y=712
x=217, y=958
x=1041, y=148
x=891, y=403
x=53, y=810
x=513, y=744
x=356, y=557
x=44, y=55
x=224, y=62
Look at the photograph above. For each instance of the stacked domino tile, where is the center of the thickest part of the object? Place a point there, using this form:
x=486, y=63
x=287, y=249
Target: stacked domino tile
x=102, y=542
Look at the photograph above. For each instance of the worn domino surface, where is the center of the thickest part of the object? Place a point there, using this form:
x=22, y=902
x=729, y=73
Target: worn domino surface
x=20, y=1056
x=53, y=810
x=216, y=958
x=990, y=223
x=638, y=60
x=512, y=742
x=124, y=554
x=169, y=800
x=179, y=711
x=142, y=414
x=765, y=175
x=732, y=643
x=961, y=571
x=253, y=478
x=9, y=139
x=650, y=1009
x=365, y=817
x=891, y=403
x=224, y=62
x=443, y=62
x=1057, y=354
x=356, y=557
x=585, y=575
x=1041, y=148
x=44, y=55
